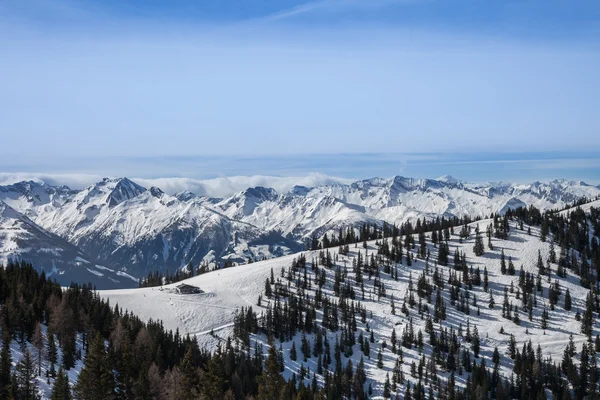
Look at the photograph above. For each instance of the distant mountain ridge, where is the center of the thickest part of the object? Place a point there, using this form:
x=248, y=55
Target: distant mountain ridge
x=134, y=230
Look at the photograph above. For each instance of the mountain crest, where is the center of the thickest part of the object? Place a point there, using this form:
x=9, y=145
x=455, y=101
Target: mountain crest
x=120, y=190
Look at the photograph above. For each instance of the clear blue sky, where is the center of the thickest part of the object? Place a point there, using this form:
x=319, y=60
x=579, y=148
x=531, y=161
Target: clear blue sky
x=122, y=81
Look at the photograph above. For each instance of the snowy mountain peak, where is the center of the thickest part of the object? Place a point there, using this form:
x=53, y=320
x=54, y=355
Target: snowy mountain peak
x=156, y=192
x=123, y=189
x=410, y=184
x=260, y=193
x=110, y=191
x=299, y=190
x=185, y=196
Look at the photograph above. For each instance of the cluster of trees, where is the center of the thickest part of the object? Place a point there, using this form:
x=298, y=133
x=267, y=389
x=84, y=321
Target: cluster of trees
x=123, y=357
x=158, y=278
x=322, y=300
x=351, y=235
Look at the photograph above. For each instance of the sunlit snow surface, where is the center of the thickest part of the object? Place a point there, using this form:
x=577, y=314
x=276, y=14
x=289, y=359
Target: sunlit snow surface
x=229, y=289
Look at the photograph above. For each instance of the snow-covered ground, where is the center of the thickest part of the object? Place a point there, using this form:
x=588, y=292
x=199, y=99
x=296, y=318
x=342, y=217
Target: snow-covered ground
x=209, y=315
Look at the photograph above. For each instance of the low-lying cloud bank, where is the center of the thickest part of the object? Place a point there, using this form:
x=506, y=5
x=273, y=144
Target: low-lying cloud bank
x=217, y=187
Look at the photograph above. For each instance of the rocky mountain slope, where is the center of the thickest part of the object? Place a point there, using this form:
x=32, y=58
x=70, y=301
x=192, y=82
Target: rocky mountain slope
x=129, y=228
x=21, y=238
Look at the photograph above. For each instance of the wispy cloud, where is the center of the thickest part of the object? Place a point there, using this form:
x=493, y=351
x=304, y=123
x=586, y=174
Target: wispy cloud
x=329, y=7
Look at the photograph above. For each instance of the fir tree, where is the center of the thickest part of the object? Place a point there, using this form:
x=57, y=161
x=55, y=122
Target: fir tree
x=25, y=373
x=567, y=300
x=51, y=353
x=475, y=344
x=478, y=247
x=61, y=389
x=187, y=388
x=5, y=368
x=38, y=343
x=96, y=380
x=270, y=381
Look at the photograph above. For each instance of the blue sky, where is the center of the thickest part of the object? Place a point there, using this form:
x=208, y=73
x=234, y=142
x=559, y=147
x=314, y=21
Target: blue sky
x=346, y=88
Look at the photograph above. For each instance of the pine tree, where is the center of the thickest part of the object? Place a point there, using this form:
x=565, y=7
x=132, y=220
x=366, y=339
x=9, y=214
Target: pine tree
x=512, y=347
x=552, y=254
x=5, y=368
x=293, y=354
x=540, y=264
x=511, y=266
x=567, y=300
x=61, y=389
x=189, y=379
x=502, y=263
x=270, y=382
x=496, y=356
x=475, y=344
x=587, y=321
x=68, y=350
x=545, y=319
x=38, y=343
x=27, y=388
x=96, y=380
x=212, y=379
x=51, y=353
x=386, y=387
x=478, y=247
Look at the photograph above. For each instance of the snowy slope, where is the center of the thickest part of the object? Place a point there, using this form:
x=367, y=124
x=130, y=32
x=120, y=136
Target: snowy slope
x=209, y=315
x=22, y=239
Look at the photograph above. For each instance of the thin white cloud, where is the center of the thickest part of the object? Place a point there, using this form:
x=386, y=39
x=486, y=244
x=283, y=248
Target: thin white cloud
x=331, y=6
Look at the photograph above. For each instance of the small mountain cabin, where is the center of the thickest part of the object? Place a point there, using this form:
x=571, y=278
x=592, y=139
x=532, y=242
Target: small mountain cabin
x=187, y=289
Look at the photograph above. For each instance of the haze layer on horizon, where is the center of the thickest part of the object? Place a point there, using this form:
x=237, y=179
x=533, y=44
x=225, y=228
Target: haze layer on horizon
x=480, y=90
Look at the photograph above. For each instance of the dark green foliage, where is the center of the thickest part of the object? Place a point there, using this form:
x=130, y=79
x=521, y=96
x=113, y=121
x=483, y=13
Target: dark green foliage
x=26, y=373
x=61, y=389
x=96, y=379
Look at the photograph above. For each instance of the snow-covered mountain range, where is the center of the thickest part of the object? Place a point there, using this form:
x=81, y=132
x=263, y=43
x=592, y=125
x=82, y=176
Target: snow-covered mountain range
x=121, y=225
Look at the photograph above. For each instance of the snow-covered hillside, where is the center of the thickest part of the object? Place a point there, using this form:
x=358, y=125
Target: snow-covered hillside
x=210, y=315
x=135, y=230
x=21, y=238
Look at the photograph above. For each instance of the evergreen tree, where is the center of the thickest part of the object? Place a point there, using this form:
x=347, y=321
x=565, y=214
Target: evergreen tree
x=478, y=247
x=540, y=264
x=96, y=380
x=189, y=379
x=38, y=343
x=27, y=388
x=5, y=368
x=386, y=387
x=293, y=353
x=61, y=389
x=475, y=344
x=568, y=300
x=271, y=381
x=51, y=353
x=511, y=266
